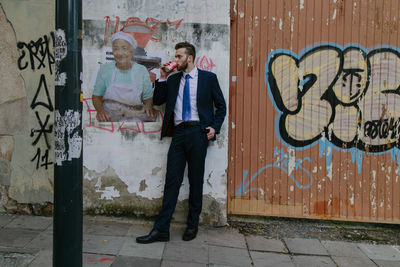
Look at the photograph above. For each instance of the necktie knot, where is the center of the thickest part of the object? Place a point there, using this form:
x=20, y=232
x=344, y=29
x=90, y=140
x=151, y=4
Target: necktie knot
x=187, y=77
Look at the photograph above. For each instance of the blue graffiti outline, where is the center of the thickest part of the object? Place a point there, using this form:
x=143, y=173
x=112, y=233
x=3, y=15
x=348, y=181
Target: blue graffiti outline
x=356, y=154
x=242, y=190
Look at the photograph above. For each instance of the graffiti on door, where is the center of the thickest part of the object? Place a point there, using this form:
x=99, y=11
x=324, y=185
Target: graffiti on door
x=347, y=96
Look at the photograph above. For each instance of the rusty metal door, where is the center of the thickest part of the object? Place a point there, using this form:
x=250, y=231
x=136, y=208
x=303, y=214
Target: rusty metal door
x=314, y=109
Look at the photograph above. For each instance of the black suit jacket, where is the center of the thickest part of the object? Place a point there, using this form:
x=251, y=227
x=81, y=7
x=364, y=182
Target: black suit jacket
x=210, y=100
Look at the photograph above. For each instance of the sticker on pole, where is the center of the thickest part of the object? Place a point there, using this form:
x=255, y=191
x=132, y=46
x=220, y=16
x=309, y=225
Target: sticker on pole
x=60, y=52
x=68, y=136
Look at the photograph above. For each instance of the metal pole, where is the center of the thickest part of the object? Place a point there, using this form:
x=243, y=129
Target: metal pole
x=67, y=232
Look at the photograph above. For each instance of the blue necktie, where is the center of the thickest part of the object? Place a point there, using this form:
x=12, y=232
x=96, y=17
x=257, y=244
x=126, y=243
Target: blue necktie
x=186, y=113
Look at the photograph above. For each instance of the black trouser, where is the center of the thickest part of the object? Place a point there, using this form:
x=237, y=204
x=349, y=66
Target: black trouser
x=189, y=144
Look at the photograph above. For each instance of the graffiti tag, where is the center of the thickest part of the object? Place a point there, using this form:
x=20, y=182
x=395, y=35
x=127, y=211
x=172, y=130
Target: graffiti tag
x=348, y=96
x=39, y=55
x=140, y=126
x=204, y=63
x=36, y=54
x=284, y=162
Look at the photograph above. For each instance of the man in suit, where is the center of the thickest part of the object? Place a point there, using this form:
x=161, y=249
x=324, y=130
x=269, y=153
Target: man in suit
x=194, y=113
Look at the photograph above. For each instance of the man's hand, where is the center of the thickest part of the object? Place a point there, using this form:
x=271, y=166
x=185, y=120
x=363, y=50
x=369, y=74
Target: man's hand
x=103, y=116
x=163, y=74
x=211, y=132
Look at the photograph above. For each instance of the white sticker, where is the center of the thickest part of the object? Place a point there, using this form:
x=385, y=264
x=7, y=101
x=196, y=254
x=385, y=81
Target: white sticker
x=60, y=47
x=68, y=139
x=60, y=79
x=60, y=52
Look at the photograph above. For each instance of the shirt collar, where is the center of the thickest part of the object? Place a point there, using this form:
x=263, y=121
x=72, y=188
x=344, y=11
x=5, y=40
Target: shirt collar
x=193, y=73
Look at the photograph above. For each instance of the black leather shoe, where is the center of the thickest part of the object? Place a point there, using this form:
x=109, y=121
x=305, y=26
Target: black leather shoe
x=189, y=234
x=154, y=236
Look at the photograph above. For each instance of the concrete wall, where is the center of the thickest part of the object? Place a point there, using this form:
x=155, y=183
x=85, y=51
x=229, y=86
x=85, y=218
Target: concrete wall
x=26, y=105
x=125, y=163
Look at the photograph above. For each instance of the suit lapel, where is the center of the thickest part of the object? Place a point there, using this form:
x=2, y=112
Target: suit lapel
x=175, y=87
x=200, y=81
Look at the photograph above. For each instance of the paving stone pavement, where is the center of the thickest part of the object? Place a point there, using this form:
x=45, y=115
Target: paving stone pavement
x=107, y=241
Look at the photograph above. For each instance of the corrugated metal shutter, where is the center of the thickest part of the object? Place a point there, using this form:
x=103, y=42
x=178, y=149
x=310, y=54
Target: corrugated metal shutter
x=314, y=109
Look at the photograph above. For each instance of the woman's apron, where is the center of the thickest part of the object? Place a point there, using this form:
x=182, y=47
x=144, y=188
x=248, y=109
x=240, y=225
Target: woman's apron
x=122, y=101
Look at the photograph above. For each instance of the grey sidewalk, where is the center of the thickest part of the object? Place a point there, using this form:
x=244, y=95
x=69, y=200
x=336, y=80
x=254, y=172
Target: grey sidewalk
x=27, y=241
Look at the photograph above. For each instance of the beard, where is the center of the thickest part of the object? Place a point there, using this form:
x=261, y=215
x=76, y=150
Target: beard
x=183, y=66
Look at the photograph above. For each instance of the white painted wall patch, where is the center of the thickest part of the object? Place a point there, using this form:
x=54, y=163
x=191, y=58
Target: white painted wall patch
x=109, y=193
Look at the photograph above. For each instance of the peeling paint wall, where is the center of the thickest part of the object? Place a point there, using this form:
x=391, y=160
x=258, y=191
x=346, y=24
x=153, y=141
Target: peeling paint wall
x=26, y=105
x=125, y=163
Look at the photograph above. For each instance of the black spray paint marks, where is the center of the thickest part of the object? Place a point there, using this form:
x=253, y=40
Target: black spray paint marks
x=42, y=86
x=38, y=55
x=45, y=159
x=128, y=135
x=93, y=33
x=42, y=131
x=205, y=35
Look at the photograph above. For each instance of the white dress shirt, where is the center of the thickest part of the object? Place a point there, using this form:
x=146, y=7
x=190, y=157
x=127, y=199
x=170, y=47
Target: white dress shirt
x=194, y=75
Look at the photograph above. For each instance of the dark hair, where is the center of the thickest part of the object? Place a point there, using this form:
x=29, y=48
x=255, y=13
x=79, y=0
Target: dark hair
x=190, y=50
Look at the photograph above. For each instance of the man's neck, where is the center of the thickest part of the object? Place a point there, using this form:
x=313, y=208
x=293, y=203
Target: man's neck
x=189, y=68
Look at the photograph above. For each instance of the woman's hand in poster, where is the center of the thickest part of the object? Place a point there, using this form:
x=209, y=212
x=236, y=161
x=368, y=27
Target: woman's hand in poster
x=148, y=108
x=103, y=116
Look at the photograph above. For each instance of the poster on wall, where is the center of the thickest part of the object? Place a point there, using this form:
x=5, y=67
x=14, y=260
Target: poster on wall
x=124, y=160
x=155, y=40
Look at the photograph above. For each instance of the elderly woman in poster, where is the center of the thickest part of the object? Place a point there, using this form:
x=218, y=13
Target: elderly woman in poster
x=123, y=90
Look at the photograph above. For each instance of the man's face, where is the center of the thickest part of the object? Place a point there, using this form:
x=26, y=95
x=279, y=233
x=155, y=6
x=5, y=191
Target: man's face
x=182, y=58
x=122, y=51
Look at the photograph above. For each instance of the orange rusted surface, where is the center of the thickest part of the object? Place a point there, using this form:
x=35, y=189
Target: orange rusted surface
x=315, y=109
